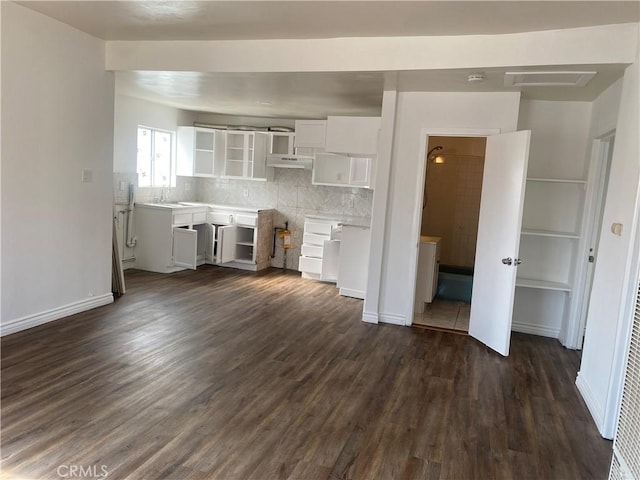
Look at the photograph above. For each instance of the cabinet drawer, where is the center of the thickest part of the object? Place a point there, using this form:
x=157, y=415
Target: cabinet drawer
x=312, y=251
x=199, y=217
x=220, y=218
x=314, y=239
x=182, y=219
x=317, y=227
x=311, y=265
x=246, y=219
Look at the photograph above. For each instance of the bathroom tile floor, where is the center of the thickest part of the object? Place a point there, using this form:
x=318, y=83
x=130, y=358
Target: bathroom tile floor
x=446, y=314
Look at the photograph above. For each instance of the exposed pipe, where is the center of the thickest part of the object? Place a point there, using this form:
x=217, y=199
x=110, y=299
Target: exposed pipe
x=131, y=238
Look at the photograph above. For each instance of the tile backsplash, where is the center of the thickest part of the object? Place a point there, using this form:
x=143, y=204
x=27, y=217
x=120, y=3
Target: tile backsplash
x=289, y=192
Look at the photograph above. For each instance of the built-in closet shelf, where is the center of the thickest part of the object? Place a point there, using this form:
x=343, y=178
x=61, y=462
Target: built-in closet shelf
x=556, y=180
x=542, y=284
x=548, y=233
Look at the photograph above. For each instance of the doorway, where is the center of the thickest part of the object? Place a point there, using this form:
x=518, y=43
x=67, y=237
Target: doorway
x=448, y=231
x=601, y=168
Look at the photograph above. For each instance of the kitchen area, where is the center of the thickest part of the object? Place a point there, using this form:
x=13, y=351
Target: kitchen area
x=286, y=194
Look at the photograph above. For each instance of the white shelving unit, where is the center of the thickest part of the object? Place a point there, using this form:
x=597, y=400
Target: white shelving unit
x=551, y=222
x=549, y=242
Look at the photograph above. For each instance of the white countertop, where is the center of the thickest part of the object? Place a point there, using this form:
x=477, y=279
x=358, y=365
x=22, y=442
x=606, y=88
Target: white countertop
x=429, y=239
x=187, y=205
x=343, y=220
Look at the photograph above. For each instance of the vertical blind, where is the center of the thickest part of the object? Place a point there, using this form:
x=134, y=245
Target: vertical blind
x=626, y=447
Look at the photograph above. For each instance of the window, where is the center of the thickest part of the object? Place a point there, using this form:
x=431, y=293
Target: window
x=155, y=158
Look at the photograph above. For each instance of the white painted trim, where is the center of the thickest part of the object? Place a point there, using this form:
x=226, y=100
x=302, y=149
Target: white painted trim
x=34, y=320
x=592, y=403
x=349, y=292
x=534, y=329
x=394, y=319
x=571, y=335
x=459, y=132
x=370, y=317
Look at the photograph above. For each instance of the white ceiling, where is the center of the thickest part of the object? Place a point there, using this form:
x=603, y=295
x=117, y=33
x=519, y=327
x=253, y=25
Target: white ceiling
x=233, y=20
x=316, y=95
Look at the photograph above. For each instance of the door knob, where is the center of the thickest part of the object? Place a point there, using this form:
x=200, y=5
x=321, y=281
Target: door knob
x=517, y=261
x=507, y=261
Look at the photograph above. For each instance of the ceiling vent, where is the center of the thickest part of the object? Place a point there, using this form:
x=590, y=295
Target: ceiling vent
x=547, y=79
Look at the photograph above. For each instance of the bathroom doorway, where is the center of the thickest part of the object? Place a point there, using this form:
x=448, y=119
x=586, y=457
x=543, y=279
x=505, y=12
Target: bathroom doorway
x=449, y=230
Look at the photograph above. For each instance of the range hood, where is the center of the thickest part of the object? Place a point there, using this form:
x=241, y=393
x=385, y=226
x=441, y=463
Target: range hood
x=289, y=161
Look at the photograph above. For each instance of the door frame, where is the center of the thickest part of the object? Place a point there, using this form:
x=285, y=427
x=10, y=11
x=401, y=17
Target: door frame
x=425, y=133
x=572, y=335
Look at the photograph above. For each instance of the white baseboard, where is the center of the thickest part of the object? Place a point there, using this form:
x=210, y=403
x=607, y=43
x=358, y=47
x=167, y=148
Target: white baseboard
x=34, y=320
x=535, y=329
x=370, y=317
x=349, y=292
x=393, y=319
x=596, y=410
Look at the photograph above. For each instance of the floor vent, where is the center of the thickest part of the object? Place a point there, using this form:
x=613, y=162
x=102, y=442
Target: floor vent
x=547, y=79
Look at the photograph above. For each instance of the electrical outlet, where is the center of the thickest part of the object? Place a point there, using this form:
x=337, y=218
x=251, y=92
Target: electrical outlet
x=121, y=185
x=87, y=175
x=352, y=202
x=245, y=192
x=187, y=186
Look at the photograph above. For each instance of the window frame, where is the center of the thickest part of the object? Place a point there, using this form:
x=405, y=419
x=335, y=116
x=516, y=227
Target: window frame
x=172, y=161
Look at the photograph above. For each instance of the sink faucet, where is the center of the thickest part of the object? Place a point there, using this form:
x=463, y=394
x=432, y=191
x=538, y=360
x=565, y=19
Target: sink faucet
x=164, y=196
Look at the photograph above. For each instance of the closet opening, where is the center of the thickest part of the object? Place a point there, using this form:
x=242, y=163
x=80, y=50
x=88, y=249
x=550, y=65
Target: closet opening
x=448, y=232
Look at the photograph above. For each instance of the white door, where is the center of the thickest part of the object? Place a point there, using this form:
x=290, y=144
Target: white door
x=227, y=243
x=210, y=247
x=185, y=247
x=494, y=279
x=359, y=171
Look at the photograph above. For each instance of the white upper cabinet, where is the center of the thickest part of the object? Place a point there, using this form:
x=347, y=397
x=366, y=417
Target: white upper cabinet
x=245, y=155
x=341, y=170
x=200, y=152
x=310, y=133
x=281, y=143
x=352, y=135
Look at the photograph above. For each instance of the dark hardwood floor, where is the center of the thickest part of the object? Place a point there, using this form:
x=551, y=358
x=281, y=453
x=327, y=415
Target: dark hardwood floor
x=222, y=374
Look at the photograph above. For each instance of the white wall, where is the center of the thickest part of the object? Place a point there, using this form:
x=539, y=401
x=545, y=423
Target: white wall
x=415, y=112
x=129, y=112
x=559, y=137
x=57, y=119
x=607, y=328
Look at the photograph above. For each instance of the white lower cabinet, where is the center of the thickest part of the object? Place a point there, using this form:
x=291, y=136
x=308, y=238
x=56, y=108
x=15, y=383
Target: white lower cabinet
x=185, y=247
x=354, y=261
x=427, y=274
x=172, y=238
x=320, y=250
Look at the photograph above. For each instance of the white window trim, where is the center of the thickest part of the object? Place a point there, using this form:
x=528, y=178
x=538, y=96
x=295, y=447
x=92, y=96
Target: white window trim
x=172, y=176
